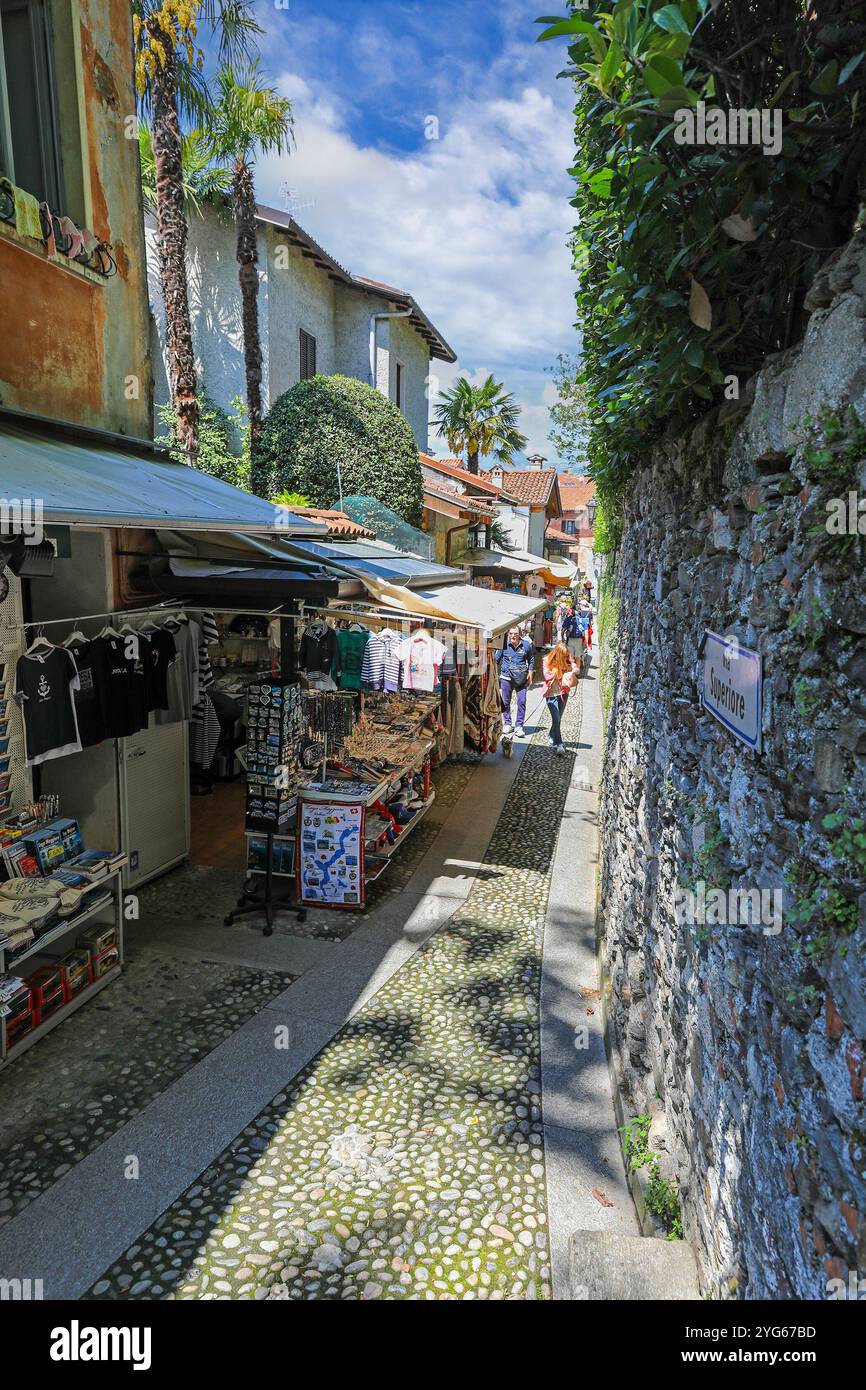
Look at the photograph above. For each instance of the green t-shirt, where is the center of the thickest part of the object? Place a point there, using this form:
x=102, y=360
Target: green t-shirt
x=352, y=646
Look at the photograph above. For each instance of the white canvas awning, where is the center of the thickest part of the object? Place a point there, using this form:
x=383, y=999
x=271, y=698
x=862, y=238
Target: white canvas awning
x=499, y=562
x=551, y=571
x=489, y=610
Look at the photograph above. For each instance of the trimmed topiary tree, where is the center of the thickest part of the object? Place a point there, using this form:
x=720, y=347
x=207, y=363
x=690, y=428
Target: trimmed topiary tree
x=327, y=418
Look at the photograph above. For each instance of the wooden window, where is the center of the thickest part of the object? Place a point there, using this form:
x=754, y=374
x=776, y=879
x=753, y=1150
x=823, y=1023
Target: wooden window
x=30, y=146
x=308, y=355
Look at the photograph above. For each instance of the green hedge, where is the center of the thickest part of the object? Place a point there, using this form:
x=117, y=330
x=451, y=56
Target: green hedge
x=330, y=418
x=694, y=258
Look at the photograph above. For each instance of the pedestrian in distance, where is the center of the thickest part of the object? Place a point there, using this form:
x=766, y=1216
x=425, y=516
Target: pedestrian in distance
x=560, y=675
x=515, y=661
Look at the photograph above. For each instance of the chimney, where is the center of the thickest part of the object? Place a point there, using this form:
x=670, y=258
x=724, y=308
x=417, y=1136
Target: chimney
x=536, y=462
x=497, y=474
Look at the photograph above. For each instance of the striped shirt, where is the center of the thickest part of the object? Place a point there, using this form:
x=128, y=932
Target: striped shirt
x=381, y=665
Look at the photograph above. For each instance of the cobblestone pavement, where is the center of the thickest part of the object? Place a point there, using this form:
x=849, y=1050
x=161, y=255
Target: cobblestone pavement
x=112, y=1058
x=406, y=1161
x=195, y=893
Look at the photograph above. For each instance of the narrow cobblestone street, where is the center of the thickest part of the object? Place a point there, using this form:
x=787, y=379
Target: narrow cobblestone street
x=406, y=1161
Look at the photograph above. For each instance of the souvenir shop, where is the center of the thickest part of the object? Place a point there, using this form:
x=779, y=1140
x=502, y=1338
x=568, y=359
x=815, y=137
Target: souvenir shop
x=137, y=668
x=530, y=575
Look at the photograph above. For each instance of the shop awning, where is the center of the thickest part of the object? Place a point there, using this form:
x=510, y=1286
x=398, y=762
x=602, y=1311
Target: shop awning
x=498, y=562
x=374, y=561
x=551, y=571
x=222, y=584
x=87, y=481
x=487, y=609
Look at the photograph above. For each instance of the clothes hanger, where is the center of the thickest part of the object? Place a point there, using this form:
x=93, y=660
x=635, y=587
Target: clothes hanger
x=75, y=637
x=40, y=640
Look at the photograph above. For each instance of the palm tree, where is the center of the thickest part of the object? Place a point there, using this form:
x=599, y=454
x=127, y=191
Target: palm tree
x=168, y=73
x=480, y=419
x=201, y=178
x=249, y=118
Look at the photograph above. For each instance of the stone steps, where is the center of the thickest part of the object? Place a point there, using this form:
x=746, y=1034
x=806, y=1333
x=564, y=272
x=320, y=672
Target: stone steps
x=603, y=1265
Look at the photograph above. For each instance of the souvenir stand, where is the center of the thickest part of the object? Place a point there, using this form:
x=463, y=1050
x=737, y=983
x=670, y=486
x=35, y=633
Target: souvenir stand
x=423, y=686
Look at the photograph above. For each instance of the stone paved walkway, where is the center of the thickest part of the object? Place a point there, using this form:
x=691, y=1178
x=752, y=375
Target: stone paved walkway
x=109, y=1061
x=406, y=1161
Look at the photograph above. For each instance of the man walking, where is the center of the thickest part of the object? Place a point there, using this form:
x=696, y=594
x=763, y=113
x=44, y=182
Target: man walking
x=515, y=676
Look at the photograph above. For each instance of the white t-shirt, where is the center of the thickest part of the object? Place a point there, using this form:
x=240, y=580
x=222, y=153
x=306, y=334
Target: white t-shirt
x=421, y=658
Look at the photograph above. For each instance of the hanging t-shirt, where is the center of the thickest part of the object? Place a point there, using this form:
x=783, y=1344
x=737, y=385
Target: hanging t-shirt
x=91, y=727
x=381, y=666
x=352, y=646
x=157, y=654
x=45, y=682
x=421, y=658
x=119, y=675
x=183, y=675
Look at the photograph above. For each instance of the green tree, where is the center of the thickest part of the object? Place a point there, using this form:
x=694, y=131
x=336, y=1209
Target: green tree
x=481, y=420
x=201, y=177
x=249, y=118
x=328, y=421
x=569, y=414
x=217, y=433
x=168, y=76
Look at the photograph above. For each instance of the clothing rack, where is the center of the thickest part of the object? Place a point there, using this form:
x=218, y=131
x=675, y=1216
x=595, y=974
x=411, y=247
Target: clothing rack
x=373, y=613
x=170, y=606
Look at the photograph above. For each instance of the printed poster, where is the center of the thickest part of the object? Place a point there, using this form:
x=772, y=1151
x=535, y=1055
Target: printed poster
x=331, y=853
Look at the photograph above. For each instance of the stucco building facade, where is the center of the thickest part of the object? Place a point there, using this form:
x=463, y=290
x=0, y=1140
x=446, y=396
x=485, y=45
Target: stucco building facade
x=314, y=315
x=74, y=345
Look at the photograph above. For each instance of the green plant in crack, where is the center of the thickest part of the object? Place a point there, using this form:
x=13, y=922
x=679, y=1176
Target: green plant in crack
x=823, y=909
x=806, y=697
x=808, y=623
x=660, y=1195
x=835, y=450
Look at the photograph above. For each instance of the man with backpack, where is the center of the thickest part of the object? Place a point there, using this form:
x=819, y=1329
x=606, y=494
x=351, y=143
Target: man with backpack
x=515, y=661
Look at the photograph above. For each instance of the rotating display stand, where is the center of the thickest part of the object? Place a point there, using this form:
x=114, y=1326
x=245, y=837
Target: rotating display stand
x=269, y=799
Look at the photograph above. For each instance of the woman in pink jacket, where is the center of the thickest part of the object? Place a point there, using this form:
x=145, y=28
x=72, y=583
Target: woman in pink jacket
x=560, y=674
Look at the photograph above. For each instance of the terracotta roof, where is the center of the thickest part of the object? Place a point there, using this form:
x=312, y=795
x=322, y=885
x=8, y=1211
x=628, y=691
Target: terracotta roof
x=555, y=533
x=532, y=486
x=455, y=468
x=340, y=527
x=473, y=505
x=575, y=491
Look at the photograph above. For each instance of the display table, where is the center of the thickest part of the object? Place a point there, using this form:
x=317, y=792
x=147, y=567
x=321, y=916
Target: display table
x=106, y=902
x=337, y=854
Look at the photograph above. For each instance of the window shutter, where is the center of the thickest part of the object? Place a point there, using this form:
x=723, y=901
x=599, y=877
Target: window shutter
x=308, y=355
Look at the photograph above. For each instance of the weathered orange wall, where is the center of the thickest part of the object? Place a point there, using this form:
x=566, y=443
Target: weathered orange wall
x=68, y=345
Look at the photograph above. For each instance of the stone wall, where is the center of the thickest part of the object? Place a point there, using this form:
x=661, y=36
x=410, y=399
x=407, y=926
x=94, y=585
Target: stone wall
x=747, y=1043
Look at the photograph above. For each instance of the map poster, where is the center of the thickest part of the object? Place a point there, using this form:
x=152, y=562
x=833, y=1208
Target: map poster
x=331, y=853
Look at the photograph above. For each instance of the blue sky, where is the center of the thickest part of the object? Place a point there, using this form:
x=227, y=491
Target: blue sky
x=474, y=223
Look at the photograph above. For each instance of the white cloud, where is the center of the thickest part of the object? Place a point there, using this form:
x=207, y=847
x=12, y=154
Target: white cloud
x=475, y=224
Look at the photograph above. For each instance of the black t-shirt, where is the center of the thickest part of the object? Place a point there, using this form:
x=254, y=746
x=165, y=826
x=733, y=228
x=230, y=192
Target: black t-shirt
x=45, y=681
x=158, y=651
x=118, y=671
x=91, y=726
